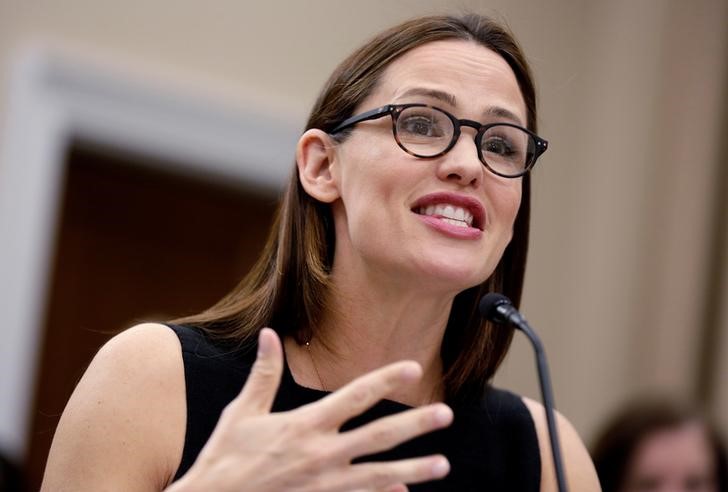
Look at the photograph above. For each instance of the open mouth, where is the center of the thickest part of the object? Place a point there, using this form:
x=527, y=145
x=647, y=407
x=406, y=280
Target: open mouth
x=451, y=214
x=454, y=209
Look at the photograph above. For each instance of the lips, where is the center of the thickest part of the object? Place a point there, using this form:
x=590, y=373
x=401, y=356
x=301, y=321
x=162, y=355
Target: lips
x=457, y=210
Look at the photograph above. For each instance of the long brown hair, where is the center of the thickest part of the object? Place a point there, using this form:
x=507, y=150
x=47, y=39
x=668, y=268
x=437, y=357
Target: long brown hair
x=287, y=288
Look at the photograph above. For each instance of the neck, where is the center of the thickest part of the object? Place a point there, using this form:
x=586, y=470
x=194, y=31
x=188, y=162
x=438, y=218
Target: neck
x=365, y=328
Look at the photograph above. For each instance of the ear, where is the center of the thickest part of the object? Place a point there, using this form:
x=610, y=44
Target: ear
x=316, y=161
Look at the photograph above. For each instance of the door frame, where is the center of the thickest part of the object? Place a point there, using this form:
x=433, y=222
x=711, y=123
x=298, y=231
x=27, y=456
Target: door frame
x=56, y=98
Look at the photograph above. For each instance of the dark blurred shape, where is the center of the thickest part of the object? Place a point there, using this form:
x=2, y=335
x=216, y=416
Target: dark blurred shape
x=136, y=241
x=631, y=455
x=11, y=476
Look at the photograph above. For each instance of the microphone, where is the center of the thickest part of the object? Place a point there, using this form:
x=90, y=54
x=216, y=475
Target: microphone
x=499, y=309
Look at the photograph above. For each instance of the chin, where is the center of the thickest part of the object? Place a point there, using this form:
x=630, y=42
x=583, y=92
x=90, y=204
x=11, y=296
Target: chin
x=456, y=276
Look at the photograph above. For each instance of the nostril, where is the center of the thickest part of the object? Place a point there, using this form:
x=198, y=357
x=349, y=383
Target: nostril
x=462, y=178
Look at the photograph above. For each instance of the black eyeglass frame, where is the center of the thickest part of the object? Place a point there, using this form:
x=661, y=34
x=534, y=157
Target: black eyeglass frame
x=394, y=110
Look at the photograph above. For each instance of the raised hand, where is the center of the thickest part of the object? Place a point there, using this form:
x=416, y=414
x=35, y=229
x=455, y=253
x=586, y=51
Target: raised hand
x=302, y=450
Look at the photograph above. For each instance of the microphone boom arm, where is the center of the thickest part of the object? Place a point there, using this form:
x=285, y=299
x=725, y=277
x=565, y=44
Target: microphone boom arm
x=511, y=314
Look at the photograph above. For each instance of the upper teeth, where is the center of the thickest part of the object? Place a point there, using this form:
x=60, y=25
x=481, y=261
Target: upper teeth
x=450, y=212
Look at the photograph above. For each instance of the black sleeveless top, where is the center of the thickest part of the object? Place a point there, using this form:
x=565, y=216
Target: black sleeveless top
x=491, y=446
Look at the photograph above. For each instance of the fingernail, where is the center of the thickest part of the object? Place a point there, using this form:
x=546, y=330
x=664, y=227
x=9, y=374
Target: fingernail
x=264, y=344
x=443, y=415
x=411, y=371
x=440, y=468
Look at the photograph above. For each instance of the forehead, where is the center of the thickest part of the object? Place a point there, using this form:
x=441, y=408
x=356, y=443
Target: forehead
x=687, y=445
x=477, y=77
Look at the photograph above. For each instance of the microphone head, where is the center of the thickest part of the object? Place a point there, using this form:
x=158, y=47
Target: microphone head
x=489, y=304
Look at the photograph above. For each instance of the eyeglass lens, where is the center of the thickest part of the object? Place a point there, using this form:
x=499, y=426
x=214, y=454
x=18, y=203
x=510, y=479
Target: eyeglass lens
x=428, y=132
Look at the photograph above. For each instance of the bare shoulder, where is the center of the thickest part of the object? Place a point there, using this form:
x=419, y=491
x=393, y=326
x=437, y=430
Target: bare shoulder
x=579, y=469
x=123, y=427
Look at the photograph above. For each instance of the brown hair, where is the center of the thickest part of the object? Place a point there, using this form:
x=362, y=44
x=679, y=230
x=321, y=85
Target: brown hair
x=615, y=446
x=287, y=288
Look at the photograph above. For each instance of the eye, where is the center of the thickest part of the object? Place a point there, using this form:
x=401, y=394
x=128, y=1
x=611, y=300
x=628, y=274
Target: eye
x=698, y=483
x=507, y=144
x=421, y=125
x=646, y=484
x=499, y=146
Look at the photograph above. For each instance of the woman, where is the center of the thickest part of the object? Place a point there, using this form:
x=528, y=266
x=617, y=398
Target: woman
x=658, y=445
x=410, y=200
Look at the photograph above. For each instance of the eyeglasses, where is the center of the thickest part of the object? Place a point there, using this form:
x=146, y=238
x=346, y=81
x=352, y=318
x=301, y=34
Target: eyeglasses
x=425, y=131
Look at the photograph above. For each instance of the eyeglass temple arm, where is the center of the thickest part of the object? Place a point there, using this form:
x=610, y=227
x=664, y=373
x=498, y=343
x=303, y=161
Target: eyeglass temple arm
x=368, y=115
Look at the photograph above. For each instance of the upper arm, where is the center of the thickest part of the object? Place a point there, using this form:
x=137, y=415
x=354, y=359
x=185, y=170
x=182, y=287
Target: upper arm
x=578, y=466
x=123, y=427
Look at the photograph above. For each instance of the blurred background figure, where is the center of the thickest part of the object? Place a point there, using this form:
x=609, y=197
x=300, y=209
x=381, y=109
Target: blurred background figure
x=659, y=445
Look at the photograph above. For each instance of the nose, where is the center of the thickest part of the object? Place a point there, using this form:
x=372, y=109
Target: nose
x=461, y=164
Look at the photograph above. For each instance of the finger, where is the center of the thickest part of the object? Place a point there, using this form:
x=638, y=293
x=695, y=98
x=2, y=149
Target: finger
x=387, y=432
x=265, y=376
x=400, y=487
x=386, y=474
x=360, y=394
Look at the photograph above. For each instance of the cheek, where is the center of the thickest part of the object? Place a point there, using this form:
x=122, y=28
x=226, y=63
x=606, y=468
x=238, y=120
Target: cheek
x=367, y=188
x=369, y=175
x=505, y=199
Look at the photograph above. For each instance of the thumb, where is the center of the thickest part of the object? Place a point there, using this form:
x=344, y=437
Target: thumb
x=265, y=376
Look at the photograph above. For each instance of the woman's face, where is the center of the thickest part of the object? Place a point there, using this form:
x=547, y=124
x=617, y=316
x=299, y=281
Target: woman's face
x=679, y=459
x=447, y=218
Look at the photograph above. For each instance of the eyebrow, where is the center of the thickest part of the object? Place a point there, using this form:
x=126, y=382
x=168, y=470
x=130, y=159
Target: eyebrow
x=433, y=93
x=503, y=113
x=448, y=98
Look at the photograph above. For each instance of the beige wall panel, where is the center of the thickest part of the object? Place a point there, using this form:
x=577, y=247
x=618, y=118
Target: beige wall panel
x=720, y=381
x=719, y=410
x=685, y=167
x=582, y=288
x=271, y=54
